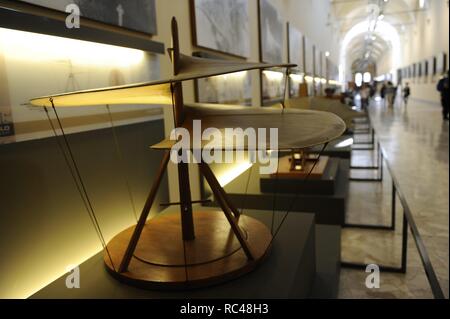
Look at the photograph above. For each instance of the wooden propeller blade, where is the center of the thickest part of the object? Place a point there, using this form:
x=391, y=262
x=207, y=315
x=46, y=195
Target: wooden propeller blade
x=145, y=93
x=156, y=92
x=296, y=128
x=191, y=68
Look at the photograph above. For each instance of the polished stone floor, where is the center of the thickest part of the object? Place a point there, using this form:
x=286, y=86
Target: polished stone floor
x=415, y=140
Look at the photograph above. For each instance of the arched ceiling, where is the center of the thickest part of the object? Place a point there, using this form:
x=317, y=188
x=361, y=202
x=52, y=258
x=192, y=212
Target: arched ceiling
x=346, y=13
x=368, y=47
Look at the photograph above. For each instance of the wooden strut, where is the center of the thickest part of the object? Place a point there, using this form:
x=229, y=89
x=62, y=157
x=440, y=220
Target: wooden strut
x=220, y=194
x=144, y=215
x=224, y=203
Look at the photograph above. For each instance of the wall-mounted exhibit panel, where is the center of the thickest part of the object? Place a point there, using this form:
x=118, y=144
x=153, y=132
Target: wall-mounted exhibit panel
x=233, y=88
x=221, y=26
x=138, y=15
x=309, y=58
x=104, y=23
x=271, y=30
x=441, y=63
x=296, y=56
x=273, y=83
x=296, y=48
x=35, y=65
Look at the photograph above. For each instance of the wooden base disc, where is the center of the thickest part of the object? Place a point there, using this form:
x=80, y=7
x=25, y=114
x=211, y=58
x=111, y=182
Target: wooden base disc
x=163, y=261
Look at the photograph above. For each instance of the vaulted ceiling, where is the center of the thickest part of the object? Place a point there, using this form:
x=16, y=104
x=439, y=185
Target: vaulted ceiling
x=369, y=47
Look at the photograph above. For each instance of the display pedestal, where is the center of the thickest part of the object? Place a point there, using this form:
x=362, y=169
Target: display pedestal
x=311, y=170
x=321, y=184
x=329, y=208
x=303, y=263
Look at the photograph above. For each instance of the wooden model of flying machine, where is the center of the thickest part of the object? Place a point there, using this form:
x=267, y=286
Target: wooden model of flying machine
x=197, y=248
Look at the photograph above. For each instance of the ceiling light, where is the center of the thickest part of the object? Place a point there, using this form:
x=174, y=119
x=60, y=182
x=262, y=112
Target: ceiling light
x=327, y=53
x=421, y=4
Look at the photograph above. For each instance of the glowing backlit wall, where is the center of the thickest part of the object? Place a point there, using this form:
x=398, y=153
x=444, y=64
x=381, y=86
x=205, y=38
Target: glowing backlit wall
x=36, y=65
x=45, y=226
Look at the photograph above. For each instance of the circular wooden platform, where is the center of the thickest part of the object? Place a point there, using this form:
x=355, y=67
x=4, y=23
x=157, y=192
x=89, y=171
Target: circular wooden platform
x=163, y=261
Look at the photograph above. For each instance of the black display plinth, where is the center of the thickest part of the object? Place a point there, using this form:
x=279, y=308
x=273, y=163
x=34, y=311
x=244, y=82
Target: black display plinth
x=324, y=186
x=329, y=209
x=298, y=266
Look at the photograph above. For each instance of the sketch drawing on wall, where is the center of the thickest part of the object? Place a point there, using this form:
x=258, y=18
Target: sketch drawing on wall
x=222, y=26
x=271, y=33
x=234, y=88
x=137, y=15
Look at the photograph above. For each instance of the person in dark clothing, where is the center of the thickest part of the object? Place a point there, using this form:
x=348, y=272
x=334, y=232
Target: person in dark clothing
x=406, y=93
x=372, y=90
x=443, y=88
x=383, y=91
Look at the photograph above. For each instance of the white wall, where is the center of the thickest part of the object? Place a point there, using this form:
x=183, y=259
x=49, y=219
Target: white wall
x=426, y=38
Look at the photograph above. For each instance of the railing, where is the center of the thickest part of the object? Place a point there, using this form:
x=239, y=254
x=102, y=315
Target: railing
x=408, y=222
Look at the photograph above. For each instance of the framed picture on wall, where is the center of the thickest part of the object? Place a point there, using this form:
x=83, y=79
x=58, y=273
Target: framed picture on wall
x=221, y=26
x=136, y=15
x=271, y=33
x=324, y=66
x=232, y=88
x=273, y=86
x=317, y=62
x=441, y=62
x=425, y=68
x=432, y=66
x=296, y=48
x=309, y=59
x=295, y=56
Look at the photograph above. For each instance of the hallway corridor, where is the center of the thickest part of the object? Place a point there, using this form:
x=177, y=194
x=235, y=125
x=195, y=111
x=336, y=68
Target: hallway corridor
x=415, y=140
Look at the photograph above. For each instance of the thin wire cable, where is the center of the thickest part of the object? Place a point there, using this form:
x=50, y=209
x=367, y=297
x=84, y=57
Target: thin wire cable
x=80, y=180
x=286, y=90
x=122, y=162
x=246, y=188
x=274, y=199
x=66, y=159
x=298, y=193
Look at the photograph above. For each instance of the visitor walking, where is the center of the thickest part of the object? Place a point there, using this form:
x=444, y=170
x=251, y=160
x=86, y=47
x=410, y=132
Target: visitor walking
x=390, y=93
x=443, y=88
x=406, y=93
